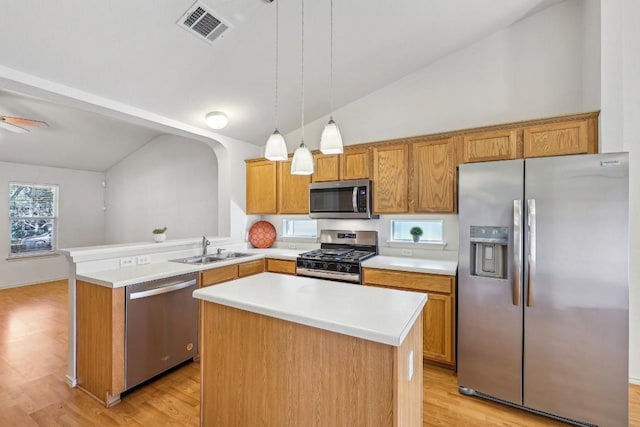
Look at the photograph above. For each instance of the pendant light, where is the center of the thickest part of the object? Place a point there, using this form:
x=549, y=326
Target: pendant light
x=331, y=140
x=302, y=163
x=276, y=148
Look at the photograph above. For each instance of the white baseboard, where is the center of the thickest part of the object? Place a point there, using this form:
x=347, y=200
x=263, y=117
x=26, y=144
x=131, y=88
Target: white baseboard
x=635, y=381
x=71, y=382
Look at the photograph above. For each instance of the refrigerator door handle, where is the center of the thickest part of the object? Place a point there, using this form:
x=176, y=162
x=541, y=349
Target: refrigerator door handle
x=517, y=251
x=531, y=234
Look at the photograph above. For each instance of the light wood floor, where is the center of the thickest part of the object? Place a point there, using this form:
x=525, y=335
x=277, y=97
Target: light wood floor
x=33, y=363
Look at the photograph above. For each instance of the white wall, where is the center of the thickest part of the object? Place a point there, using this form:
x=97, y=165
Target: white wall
x=531, y=69
x=170, y=182
x=620, y=131
x=81, y=219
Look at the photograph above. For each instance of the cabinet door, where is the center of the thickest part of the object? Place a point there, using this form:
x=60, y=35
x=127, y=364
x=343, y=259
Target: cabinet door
x=281, y=266
x=556, y=139
x=438, y=331
x=390, y=178
x=434, y=187
x=250, y=268
x=326, y=167
x=218, y=275
x=261, y=187
x=486, y=146
x=293, y=190
x=355, y=164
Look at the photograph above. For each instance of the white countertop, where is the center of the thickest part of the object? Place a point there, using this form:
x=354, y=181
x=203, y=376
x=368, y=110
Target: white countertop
x=418, y=265
x=375, y=314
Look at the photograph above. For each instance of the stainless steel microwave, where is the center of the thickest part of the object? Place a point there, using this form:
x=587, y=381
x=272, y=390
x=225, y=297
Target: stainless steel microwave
x=341, y=199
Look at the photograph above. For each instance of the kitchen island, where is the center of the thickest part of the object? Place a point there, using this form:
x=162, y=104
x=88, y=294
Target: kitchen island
x=290, y=351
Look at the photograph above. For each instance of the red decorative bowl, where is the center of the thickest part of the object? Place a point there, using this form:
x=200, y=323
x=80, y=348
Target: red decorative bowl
x=262, y=234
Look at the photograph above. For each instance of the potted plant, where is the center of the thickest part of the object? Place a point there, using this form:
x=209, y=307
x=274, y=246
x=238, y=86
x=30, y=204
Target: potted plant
x=159, y=234
x=415, y=232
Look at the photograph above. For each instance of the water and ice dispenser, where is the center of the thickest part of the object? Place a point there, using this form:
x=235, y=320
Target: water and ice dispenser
x=489, y=249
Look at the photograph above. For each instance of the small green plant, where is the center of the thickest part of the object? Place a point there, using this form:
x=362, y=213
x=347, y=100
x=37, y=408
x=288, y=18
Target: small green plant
x=160, y=230
x=415, y=231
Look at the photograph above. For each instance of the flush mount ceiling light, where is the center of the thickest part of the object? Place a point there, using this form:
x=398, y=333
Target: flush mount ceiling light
x=331, y=140
x=302, y=163
x=276, y=148
x=217, y=120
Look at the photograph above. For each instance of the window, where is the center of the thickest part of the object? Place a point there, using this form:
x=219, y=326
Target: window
x=33, y=211
x=300, y=228
x=432, y=230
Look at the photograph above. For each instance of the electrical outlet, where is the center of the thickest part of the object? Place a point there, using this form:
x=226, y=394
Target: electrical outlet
x=144, y=259
x=127, y=262
x=292, y=245
x=406, y=252
x=410, y=362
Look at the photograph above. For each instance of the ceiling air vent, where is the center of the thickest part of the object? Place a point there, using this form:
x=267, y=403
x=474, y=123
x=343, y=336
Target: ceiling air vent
x=202, y=23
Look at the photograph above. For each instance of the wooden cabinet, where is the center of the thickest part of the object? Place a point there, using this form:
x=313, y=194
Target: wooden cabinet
x=355, y=163
x=217, y=275
x=390, y=178
x=100, y=338
x=271, y=189
x=261, y=187
x=487, y=146
x=557, y=139
x=434, y=171
x=250, y=268
x=281, y=266
x=293, y=190
x=439, y=313
x=327, y=167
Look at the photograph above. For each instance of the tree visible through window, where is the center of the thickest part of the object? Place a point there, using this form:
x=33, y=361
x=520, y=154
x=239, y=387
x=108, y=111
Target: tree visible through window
x=33, y=211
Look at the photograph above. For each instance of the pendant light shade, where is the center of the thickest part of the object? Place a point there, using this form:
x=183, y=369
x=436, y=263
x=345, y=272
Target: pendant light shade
x=302, y=163
x=331, y=140
x=276, y=149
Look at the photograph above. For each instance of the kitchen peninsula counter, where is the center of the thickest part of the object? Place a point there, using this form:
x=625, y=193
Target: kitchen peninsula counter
x=287, y=350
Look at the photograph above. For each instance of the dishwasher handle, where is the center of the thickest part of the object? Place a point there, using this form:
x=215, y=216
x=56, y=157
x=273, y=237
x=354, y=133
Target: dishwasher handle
x=162, y=290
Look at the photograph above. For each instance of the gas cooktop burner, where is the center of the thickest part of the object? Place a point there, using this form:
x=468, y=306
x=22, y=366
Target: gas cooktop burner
x=347, y=255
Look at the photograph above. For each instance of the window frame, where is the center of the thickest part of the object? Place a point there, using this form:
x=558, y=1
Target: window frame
x=285, y=228
x=54, y=220
x=393, y=239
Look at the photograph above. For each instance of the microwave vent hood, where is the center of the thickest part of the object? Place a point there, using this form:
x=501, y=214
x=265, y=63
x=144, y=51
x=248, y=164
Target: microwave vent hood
x=341, y=200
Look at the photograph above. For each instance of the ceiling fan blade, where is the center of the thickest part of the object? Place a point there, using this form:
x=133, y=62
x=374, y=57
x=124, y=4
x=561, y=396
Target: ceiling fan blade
x=12, y=128
x=24, y=122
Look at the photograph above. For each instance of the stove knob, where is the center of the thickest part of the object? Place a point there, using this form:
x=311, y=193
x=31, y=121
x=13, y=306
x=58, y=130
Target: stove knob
x=347, y=268
x=325, y=266
x=338, y=267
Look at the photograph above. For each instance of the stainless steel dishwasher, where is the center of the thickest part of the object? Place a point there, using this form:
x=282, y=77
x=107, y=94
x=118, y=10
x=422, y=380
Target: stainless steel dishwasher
x=161, y=326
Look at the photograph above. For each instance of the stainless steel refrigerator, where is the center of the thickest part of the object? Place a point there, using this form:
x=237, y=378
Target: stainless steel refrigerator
x=543, y=285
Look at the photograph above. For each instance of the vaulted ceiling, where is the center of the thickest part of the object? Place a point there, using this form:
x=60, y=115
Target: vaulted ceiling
x=136, y=53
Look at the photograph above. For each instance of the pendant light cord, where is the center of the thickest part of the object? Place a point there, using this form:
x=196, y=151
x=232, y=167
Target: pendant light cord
x=275, y=109
x=302, y=55
x=331, y=64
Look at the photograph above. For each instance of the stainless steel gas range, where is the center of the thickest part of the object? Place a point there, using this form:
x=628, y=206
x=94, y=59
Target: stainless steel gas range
x=339, y=256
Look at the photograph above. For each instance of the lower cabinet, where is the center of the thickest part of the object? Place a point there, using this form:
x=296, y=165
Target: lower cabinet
x=281, y=266
x=439, y=312
x=214, y=276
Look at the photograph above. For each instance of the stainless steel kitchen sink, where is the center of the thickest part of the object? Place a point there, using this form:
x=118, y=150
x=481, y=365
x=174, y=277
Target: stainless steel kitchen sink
x=208, y=259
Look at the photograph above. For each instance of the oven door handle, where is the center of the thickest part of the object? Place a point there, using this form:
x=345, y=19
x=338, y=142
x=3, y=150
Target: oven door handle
x=162, y=290
x=354, y=199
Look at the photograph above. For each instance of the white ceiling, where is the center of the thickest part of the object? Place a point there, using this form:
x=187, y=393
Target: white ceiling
x=134, y=53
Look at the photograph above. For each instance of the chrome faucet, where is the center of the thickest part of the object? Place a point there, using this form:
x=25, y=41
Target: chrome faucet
x=219, y=251
x=205, y=243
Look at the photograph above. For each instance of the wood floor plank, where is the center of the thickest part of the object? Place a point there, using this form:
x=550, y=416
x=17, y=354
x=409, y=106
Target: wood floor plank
x=33, y=362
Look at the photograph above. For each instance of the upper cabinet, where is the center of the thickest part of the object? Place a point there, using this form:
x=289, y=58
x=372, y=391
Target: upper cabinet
x=418, y=174
x=271, y=189
x=293, y=190
x=487, y=146
x=558, y=139
x=261, y=187
x=390, y=178
x=434, y=169
x=355, y=163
